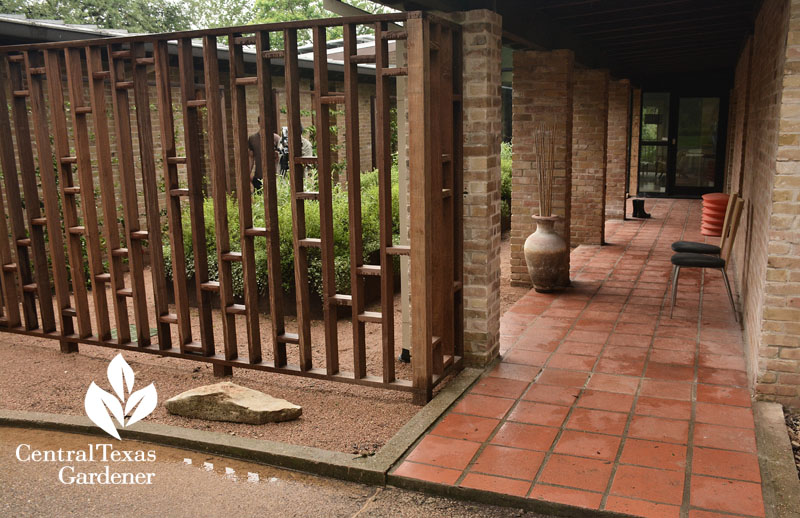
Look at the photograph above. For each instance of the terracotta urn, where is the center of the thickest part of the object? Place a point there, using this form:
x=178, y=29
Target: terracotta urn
x=547, y=254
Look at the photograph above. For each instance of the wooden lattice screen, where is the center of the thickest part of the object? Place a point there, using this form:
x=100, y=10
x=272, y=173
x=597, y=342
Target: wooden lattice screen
x=65, y=182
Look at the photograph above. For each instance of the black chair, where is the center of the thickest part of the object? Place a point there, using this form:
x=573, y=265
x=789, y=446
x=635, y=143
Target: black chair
x=700, y=260
x=694, y=247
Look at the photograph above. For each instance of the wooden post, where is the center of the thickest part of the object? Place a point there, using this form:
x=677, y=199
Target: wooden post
x=420, y=168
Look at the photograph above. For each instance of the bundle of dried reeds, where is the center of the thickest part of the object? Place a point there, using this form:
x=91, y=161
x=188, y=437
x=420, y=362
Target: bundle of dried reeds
x=544, y=149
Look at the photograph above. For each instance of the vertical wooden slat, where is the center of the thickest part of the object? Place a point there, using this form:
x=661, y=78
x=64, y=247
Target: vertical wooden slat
x=50, y=196
x=268, y=128
x=80, y=133
x=458, y=188
x=325, y=199
x=167, y=129
x=242, y=167
x=297, y=172
x=420, y=167
x=130, y=207
x=445, y=102
x=102, y=143
x=144, y=125
x=352, y=149
x=218, y=179
x=383, y=155
x=194, y=174
x=9, y=274
x=30, y=189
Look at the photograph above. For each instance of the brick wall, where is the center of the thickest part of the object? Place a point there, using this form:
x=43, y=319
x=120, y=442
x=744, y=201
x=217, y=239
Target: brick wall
x=619, y=119
x=766, y=254
x=542, y=92
x=589, y=133
x=482, y=35
x=636, y=113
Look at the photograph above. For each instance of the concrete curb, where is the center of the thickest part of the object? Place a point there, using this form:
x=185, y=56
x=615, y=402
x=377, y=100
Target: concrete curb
x=779, y=483
x=343, y=466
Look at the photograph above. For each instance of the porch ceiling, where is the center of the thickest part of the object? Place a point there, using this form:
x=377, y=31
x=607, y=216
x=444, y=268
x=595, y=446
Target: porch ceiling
x=638, y=39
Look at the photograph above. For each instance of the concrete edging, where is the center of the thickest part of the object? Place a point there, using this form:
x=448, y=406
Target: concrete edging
x=779, y=483
x=344, y=466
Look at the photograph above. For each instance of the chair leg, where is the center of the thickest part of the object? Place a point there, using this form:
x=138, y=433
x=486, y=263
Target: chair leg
x=730, y=295
x=675, y=274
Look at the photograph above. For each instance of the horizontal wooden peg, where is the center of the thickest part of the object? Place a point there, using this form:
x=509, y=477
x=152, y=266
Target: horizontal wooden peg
x=10, y=267
x=101, y=74
x=394, y=35
x=102, y=277
x=125, y=292
x=305, y=160
x=398, y=250
x=310, y=242
x=119, y=252
x=332, y=99
x=74, y=189
x=68, y=159
x=139, y=234
x=25, y=241
x=307, y=195
x=272, y=54
x=370, y=316
x=245, y=81
x=236, y=309
x=144, y=61
x=232, y=256
x=255, y=232
x=179, y=192
x=394, y=71
x=121, y=54
x=209, y=286
x=77, y=230
x=69, y=312
x=341, y=299
x=196, y=103
x=29, y=288
x=124, y=85
x=169, y=318
x=36, y=71
x=39, y=221
x=21, y=93
x=244, y=40
x=289, y=338
x=369, y=269
x=362, y=59
x=16, y=58
x=83, y=110
x=175, y=160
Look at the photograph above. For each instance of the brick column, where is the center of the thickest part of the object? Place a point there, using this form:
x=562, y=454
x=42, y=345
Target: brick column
x=619, y=119
x=542, y=93
x=636, y=119
x=482, y=44
x=589, y=133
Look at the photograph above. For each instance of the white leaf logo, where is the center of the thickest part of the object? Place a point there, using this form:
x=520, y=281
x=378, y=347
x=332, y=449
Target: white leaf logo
x=101, y=405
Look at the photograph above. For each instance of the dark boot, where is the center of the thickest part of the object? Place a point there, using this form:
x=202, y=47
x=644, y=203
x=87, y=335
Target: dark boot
x=638, y=209
x=405, y=356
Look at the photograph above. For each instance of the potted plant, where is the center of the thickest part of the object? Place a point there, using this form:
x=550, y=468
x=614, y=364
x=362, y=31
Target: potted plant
x=546, y=252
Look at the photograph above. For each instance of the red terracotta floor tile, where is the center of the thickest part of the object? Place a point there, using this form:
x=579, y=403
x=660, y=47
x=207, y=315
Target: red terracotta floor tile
x=675, y=344
x=563, y=495
x=669, y=372
x=571, y=362
x=590, y=445
x=569, y=347
x=667, y=389
x=428, y=473
x=612, y=383
x=562, y=378
x=523, y=357
x=655, y=485
x=629, y=340
x=727, y=495
x=669, y=408
x=552, y=394
x=625, y=367
x=724, y=437
x=658, y=429
x=505, y=486
x=724, y=377
x=723, y=395
x=444, y=452
x=697, y=513
x=641, y=508
x=610, y=401
x=530, y=412
x=526, y=436
x=500, y=387
x=722, y=362
x=641, y=328
x=654, y=454
x=618, y=352
x=468, y=427
x=598, y=421
x=483, y=406
x=508, y=462
x=587, y=474
x=514, y=371
x=591, y=337
x=724, y=415
x=727, y=464
x=672, y=357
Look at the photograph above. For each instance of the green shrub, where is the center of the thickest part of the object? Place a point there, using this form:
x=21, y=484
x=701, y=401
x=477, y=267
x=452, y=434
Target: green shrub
x=505, y=184
x=341, y=234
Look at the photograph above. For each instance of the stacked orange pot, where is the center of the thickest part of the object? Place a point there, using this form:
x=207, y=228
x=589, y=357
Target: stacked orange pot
x=714, y=205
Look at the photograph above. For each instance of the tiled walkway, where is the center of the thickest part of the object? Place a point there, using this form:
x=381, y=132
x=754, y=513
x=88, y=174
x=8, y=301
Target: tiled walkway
x=602, y=401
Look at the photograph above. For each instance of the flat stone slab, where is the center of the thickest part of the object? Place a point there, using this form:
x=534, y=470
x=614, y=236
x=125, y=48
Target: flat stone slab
x=227, y=401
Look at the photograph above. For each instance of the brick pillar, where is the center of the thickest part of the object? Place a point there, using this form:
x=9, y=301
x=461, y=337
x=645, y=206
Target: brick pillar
x=619, y=119
x=542, y=93
x=589, y=134
x=636, y=119
x=482, y=35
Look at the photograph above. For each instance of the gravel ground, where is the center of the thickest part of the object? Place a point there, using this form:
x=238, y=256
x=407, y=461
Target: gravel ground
x=508, y=294
x=793, y=425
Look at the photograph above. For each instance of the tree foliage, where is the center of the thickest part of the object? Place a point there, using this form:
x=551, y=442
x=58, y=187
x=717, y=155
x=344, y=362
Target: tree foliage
x=133, y=15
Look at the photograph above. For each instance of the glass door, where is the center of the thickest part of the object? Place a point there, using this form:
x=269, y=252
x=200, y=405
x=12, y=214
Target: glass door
x=654, y=142
x=697, y=145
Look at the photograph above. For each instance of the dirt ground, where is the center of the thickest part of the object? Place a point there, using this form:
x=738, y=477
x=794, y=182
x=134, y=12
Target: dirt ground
x=35, y=376
x=793, y=427
x=508, y=294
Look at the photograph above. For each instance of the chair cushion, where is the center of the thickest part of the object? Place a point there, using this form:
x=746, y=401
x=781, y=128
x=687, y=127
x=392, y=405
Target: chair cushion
x=697, y=261
x=694, y=247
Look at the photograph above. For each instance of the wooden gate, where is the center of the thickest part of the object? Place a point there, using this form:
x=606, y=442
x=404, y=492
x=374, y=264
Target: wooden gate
x=96, y=190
